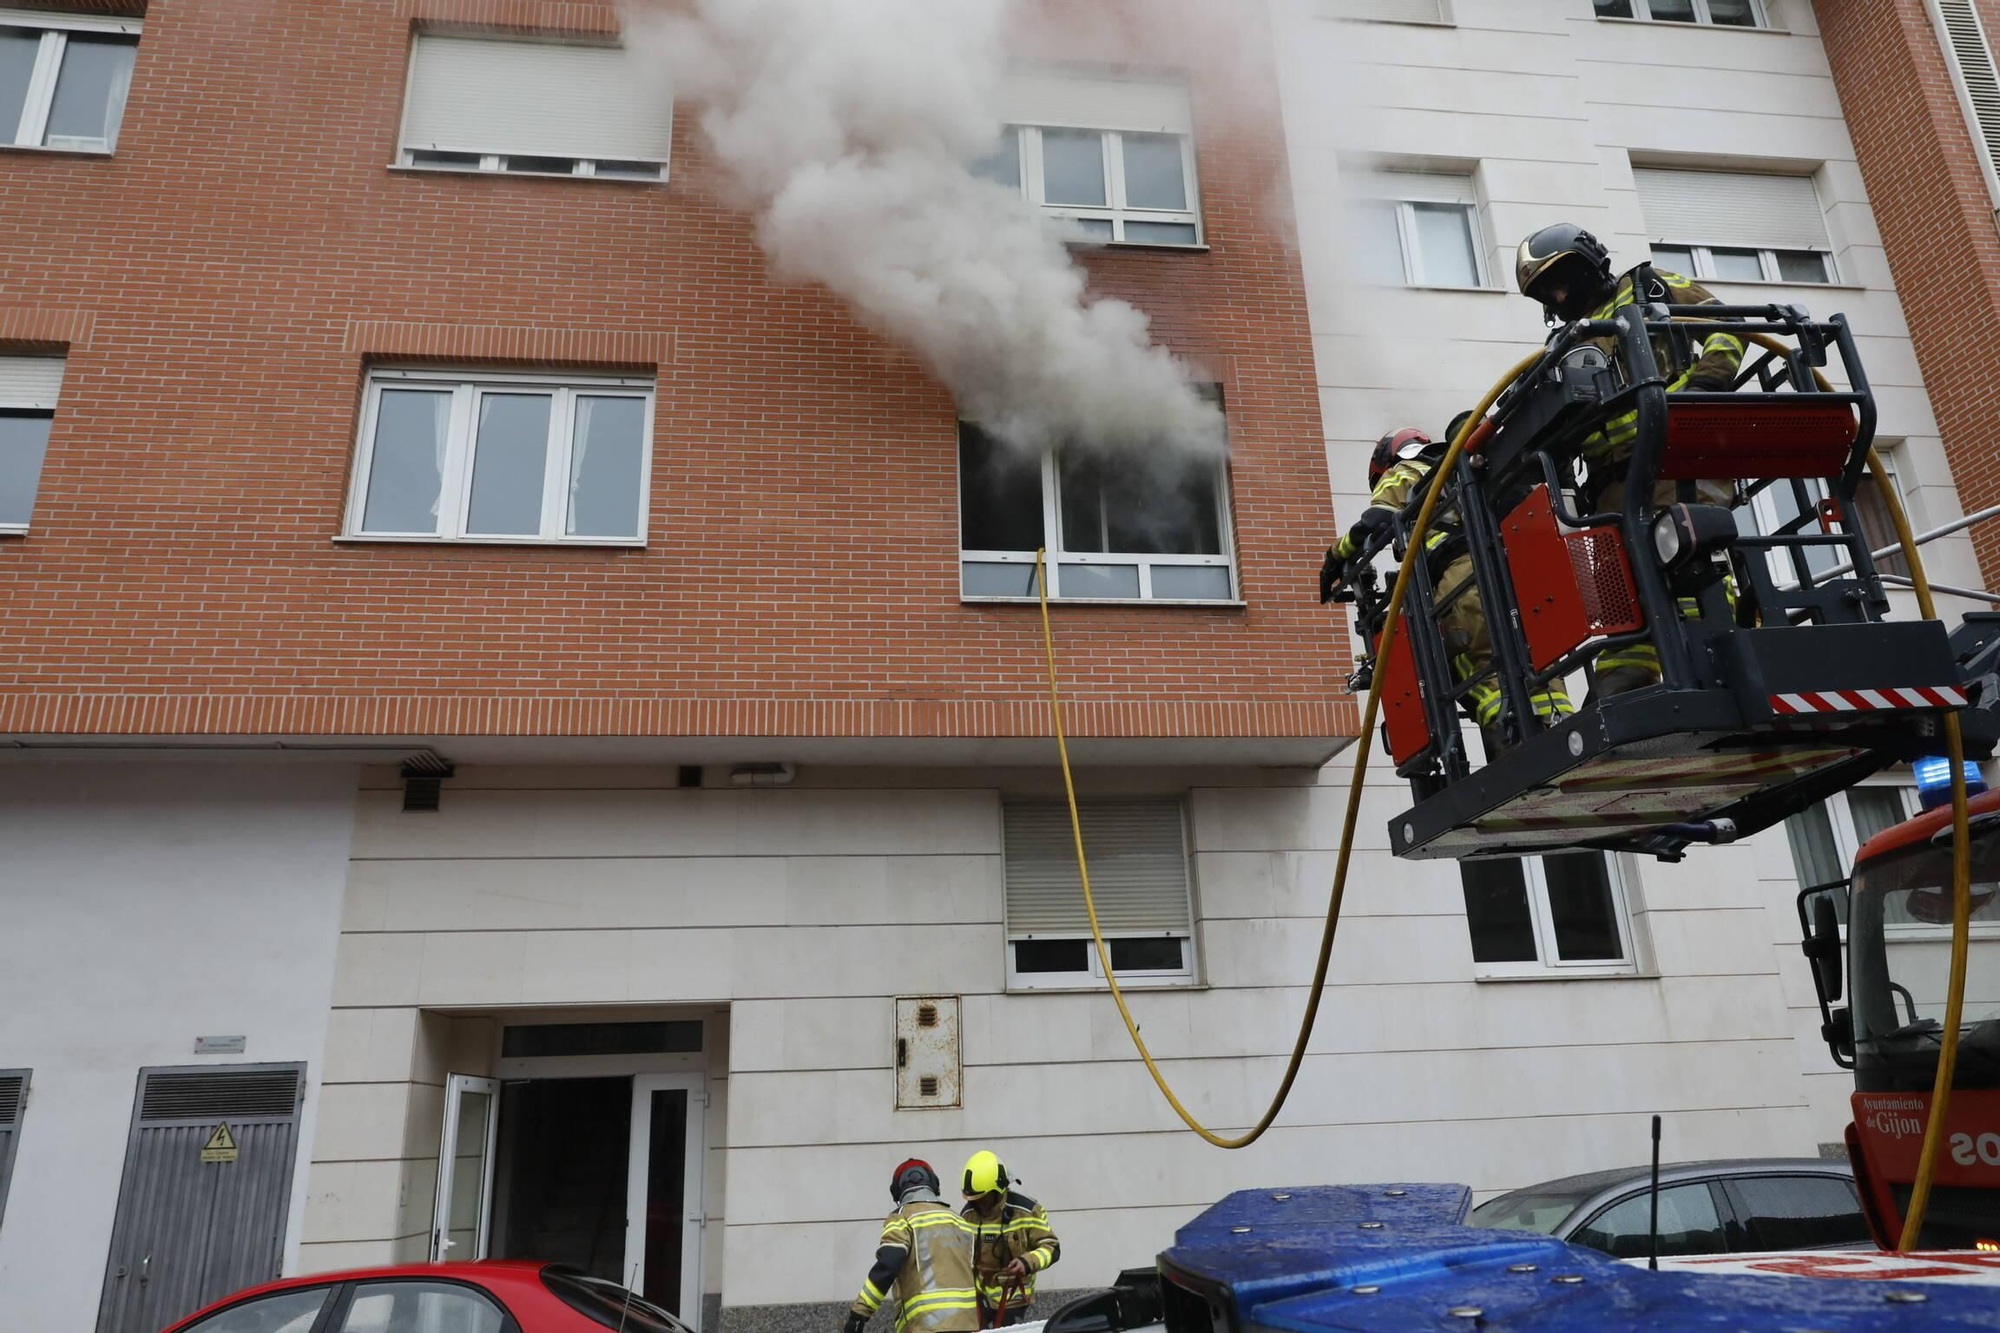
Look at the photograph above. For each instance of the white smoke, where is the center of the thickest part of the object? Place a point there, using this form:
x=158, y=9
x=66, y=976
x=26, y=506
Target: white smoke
x=848, y=127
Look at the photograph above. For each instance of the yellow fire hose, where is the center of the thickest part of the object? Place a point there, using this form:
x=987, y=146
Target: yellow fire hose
x=1955, y=745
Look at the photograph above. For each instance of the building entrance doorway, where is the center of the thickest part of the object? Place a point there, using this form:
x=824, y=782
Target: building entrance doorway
x=601, y=1172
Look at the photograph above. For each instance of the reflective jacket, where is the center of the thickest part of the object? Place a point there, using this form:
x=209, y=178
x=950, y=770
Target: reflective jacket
x=1016, y=1228
x=1390, y=496
x=1714, y=369
x=925, y=1263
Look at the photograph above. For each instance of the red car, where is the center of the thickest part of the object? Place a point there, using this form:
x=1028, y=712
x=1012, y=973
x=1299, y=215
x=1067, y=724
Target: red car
x=492, y=1296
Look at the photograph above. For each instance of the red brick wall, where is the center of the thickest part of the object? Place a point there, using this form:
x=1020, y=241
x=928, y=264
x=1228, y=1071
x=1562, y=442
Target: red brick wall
x=220, y=279
x=1930, y=198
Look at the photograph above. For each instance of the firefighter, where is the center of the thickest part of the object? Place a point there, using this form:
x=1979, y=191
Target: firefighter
x=924, y=1261
x=1402, y=459
x=1568, y=272
x=1012, y=1237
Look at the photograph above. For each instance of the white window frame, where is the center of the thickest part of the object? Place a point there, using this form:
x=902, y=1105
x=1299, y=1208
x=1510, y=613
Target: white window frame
x=1767, y=260
x=1111, y=147
x=55, y=28
x=1406, y=240
x=1548, y=964
x=1642, y=12
x=414, y=159
x=1058, y=558
x=455, y=495
x=23, y=407
x=1188, y=975
x=1345, y=11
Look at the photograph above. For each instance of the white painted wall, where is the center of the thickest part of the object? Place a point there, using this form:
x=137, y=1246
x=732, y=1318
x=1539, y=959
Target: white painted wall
x=142, y=905
x=1548, y=106
x=806, y=909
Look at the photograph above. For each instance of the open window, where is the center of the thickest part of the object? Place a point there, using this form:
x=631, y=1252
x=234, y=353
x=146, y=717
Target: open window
x=1118, y=527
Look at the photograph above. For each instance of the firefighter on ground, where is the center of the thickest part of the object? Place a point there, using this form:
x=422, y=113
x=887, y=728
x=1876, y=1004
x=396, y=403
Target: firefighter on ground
x=1401, y=461
x=1568, y=272
x=1011, y=1235
x=924, y=1263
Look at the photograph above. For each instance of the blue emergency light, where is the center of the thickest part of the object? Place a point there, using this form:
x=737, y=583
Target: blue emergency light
x=1934, y=780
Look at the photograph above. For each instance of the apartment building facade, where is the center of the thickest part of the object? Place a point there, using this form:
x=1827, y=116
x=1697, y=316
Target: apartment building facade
x=536, y=726
x=1709, y=138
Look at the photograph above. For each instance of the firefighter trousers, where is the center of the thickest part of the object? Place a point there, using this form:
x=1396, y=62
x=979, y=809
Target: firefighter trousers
x=1637, y=665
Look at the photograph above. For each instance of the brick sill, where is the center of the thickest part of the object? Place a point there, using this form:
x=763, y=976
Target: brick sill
x=1215, y=603
x=594, y=543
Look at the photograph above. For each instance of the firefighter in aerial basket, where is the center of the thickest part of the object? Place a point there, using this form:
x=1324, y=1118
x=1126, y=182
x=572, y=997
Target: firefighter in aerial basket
x=1567, y=271
x=1398, y=467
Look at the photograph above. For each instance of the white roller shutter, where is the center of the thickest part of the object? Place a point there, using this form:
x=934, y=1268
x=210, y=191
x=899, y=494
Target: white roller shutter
x=1978, y=80
x=545, y=99
x=1039, y=96
x=30, y=381
x=1138, y=867
x=1731, y=208
x=1428, y=186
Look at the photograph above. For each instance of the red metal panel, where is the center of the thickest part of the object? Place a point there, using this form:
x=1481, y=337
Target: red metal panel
x=1552, y=611
x=1403, y=702
x=1604, y=580
x=1791, y=439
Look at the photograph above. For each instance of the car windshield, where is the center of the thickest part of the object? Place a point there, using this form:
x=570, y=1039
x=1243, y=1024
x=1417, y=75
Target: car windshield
x=1527, y=1210
x=1899, y=935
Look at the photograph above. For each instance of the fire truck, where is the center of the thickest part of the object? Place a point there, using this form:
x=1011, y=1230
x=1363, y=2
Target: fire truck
x=1894, y=910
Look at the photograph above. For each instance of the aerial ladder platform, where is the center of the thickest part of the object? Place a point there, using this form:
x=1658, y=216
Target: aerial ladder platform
x=1782, y=681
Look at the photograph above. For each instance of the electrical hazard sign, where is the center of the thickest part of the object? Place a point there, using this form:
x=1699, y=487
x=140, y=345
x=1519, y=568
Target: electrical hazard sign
x=221, y=1145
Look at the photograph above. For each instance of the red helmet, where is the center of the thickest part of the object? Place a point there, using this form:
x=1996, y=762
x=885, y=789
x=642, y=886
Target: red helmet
x=1394, y=447
x=913, y=1174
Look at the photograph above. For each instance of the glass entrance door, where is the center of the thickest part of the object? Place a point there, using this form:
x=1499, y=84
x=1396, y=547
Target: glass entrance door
x=664, y=1205
x=465, y=1169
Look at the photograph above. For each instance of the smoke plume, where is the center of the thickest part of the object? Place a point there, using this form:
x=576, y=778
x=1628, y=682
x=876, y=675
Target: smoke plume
x=848, y=129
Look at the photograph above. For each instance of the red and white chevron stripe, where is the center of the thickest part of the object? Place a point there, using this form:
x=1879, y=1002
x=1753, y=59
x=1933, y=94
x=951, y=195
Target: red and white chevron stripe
x=1861, y=701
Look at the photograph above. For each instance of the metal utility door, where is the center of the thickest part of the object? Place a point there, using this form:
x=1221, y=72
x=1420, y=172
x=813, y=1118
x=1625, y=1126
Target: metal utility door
x=207, y=1188
x=13, y=1104
x=660, y=1195
x=463, y=1216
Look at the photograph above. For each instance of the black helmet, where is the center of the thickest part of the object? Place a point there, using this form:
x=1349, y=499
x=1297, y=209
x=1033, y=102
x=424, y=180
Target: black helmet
x=1563, y=252
x=1457, y=423
x=1394, y=447
x=911, y=1175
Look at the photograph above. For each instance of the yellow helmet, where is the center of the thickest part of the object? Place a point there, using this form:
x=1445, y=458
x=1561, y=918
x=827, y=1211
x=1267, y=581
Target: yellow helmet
x=984, y=1173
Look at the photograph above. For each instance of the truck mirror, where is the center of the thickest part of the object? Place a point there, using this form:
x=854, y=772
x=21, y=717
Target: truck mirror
x=1822, y=947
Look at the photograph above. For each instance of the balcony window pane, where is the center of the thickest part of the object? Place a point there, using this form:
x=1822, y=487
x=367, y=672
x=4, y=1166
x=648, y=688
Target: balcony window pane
x=604, y=466
x=90, y=92
x=24, y=441
x=1153, y=174
x=1496, y=908
x=509, y=463
x=1073, y=168
x=17, y=61
x=1737, y=265
x=406, y=469
x=1444, y=246
x=1580, y=908
x=1003, y=166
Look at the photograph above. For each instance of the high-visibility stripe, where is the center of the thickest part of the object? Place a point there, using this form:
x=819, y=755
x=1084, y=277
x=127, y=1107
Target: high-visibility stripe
x=1855, y=701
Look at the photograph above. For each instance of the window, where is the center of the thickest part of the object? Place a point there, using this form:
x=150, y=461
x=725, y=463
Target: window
x=13, y=1103
x=1690, y=1223
x=29, y=387
x=1421, y=226
x=1735, y=226
x=1777, y=506
x=1115, y=157
x=1138, y=878
x=63, y=79
x=533, y=107
x=1797, y=1212
x=605, y=1302
x=420, y=1307
x=1722, y=13
x=1976, y=80
x=1114, y=529
x=283, y=1312
x=1547, y=915
x=502, y=458
x=1825, y=838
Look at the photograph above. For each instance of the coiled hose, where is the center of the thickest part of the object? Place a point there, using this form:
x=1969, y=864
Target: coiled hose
x=1473, y=432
